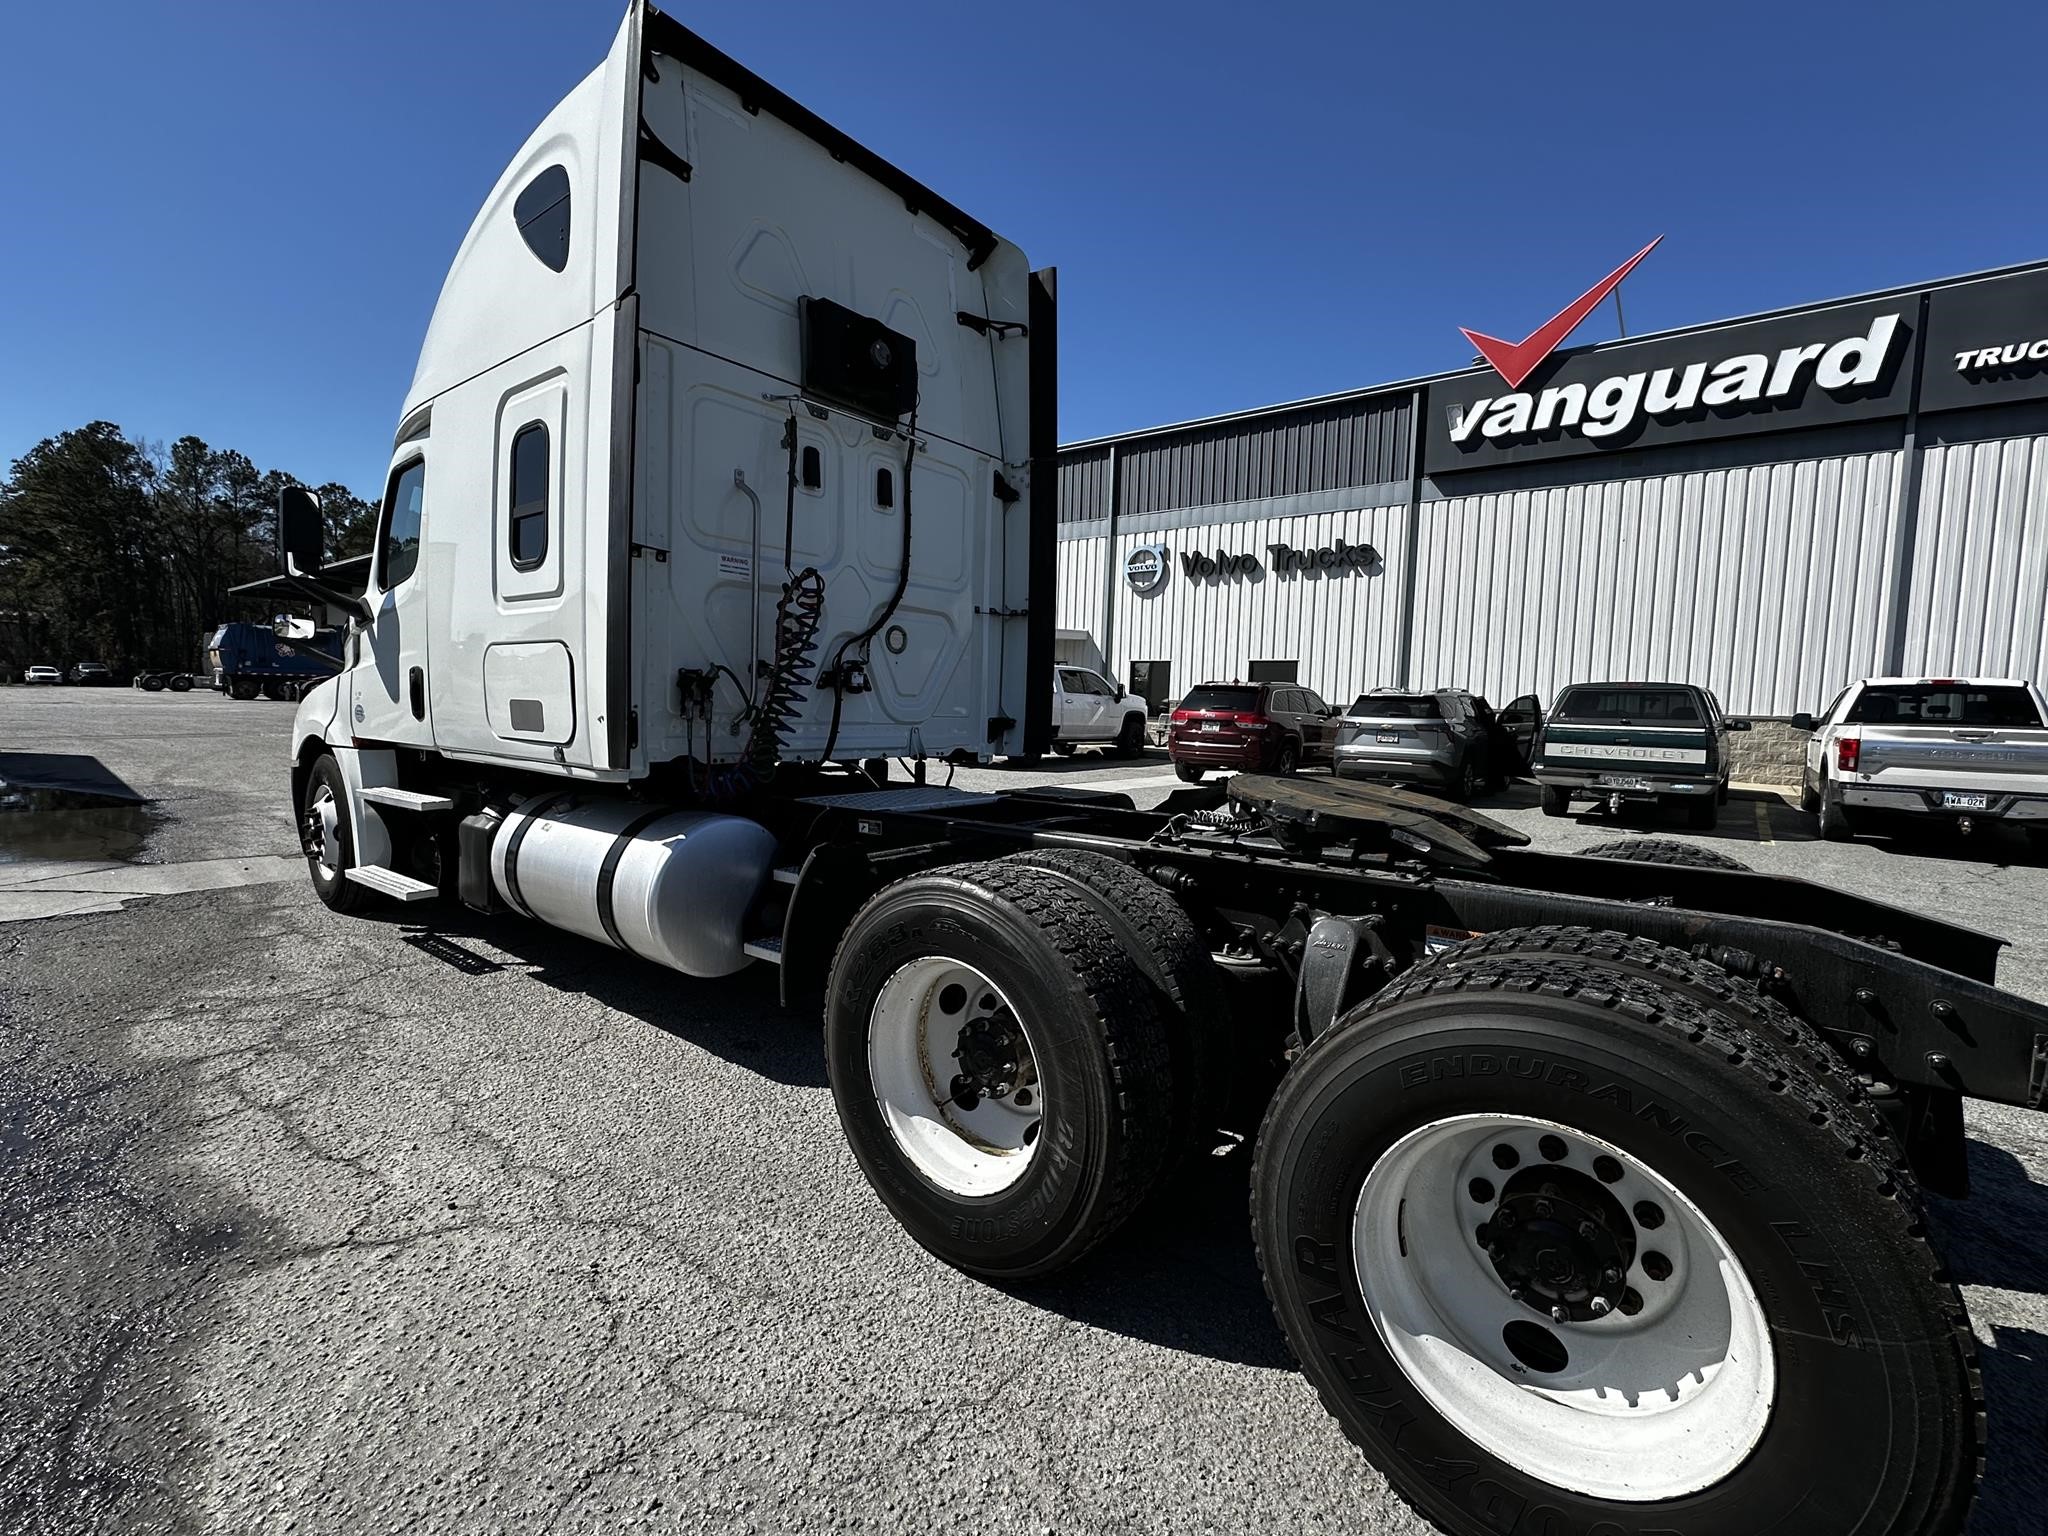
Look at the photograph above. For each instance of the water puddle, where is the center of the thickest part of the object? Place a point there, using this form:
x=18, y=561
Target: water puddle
x=72, y=826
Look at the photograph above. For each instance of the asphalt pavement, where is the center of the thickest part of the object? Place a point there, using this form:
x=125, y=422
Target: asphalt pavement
x=426, y=1222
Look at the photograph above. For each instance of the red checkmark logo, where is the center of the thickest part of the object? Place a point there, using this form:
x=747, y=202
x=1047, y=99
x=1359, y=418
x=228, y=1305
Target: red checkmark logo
x=1516, y=360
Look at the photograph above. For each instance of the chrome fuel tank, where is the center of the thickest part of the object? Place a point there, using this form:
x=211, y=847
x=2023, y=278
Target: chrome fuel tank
x=672, y=886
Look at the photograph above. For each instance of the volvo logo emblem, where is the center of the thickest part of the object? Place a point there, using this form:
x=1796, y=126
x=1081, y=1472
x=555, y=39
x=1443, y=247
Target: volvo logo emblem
x=1145, y=567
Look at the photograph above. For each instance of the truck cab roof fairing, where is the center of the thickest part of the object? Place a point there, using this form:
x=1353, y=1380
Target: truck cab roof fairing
x=501, y=296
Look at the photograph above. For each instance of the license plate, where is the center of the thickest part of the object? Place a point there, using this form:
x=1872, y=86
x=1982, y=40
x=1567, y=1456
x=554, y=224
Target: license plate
x=1623, y=781
x=1212, y=725
x=1951, y=801
x=1389, y=738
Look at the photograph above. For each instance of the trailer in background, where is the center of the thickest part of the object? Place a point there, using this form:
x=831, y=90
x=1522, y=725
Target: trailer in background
x=247, y=660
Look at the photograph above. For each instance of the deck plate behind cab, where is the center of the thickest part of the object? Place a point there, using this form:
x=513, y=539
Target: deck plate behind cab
x=1452, y=832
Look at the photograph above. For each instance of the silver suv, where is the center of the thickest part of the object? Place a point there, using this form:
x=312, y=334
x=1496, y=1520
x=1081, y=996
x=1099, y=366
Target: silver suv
x=1446, y=738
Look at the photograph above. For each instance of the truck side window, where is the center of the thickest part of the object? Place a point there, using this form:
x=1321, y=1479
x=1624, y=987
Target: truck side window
x=528, y=523
x=400, y=551
x=542, y=214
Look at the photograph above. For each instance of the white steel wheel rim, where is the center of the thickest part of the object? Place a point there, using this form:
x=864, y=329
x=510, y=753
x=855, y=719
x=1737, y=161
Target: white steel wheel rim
x=323, y=811
x=1655, y=1405
x=913, y=1032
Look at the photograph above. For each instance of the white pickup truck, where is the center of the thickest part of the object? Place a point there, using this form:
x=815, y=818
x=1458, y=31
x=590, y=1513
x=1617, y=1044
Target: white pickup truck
x=1090, y=710
x=1967, y=750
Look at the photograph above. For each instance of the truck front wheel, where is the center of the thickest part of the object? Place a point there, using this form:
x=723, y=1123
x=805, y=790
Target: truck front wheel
x=329, y=839
x=1000, y=1065
x=1565, y=1250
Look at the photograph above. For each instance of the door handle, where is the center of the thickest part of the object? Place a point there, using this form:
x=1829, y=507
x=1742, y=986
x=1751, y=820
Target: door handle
x=418, y=682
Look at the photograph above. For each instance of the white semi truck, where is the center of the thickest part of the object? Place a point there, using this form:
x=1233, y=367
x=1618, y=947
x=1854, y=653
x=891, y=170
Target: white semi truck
x=1589, y=1198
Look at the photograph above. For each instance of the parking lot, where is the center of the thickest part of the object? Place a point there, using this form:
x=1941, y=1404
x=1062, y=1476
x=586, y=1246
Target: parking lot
x=427, y=1222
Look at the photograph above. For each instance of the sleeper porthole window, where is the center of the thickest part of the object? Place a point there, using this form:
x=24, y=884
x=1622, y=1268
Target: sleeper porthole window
x=542, y=214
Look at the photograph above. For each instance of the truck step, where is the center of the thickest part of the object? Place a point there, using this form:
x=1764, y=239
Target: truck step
x=391, y=883
x=406, y=799
x=788, y=874
x=769, y=949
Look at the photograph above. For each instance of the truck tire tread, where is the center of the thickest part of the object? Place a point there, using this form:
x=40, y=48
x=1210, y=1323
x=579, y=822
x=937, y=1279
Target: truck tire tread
x=1169, y=949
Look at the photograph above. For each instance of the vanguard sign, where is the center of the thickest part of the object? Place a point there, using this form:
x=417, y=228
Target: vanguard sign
x=1803, y=370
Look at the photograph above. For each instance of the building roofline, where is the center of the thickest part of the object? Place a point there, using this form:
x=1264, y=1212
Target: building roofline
x=1402, y=386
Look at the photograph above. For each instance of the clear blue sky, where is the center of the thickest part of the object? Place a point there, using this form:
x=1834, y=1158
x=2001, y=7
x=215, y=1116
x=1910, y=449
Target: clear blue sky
x=231, y=219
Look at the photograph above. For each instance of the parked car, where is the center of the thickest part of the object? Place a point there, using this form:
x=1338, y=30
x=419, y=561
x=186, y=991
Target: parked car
x=46, y=677
x=1959, y=750
x=1446, y=738
x=1252, y=727
x=1656, y=743
x=91, y=674
x=1088, y=709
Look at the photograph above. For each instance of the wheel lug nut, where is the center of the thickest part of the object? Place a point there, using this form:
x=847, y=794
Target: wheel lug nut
x=1514, y=1293
x=1600, y=1306
x=1588, y=1231
x=1541, y=1207
x=1559, y=1315
x=1649, y=1214
x=1606, y=1169
x=1552, y=1148
x=1656, y=1266
x=1480, y=1190
x=1610, y=1276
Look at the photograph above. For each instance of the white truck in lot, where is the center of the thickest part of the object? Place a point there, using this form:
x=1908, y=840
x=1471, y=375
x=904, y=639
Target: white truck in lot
x=1963, y=751
x=1090, y=710
x=1584, y=1190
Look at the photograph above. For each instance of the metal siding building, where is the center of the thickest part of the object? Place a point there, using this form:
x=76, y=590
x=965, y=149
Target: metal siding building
x=1772, y=548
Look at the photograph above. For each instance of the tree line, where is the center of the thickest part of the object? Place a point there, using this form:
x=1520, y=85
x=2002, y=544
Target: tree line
x=119, y=550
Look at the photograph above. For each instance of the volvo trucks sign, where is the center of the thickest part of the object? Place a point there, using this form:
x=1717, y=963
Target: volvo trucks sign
x=1805, y=370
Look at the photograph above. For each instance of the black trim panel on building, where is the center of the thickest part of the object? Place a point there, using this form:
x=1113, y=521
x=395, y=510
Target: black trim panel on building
x=1987, y=343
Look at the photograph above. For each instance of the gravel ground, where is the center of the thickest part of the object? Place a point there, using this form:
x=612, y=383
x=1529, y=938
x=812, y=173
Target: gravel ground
x=429, y=1223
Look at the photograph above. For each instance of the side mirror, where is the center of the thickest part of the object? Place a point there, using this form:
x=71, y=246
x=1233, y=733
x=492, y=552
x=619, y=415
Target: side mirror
x=1737, y=725
x=1804, y=722
x=289, y=627
x=299, y=533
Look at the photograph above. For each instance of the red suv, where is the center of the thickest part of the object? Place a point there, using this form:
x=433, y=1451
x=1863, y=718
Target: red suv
x=1252, y=727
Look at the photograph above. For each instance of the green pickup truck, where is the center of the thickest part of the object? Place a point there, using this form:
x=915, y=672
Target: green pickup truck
x=1658, y=743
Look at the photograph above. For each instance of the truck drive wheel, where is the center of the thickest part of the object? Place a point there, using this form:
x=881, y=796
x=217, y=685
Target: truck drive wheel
x=1130, y=741
x=329, y=840
x=241, y=688
x=1000, y=1066
x=1562, y=1250
x=180, y=684
x=1188, y=991
x=1557, y=801
x=1663, y=850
